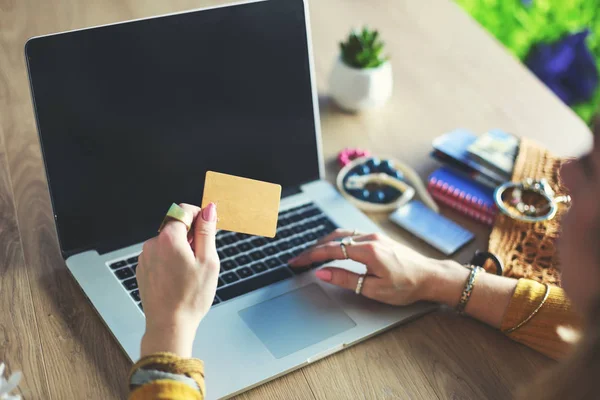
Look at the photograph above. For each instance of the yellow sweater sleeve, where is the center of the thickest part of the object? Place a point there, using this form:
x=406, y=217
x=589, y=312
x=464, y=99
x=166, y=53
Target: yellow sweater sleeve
x=540, y=332
x=165, y=388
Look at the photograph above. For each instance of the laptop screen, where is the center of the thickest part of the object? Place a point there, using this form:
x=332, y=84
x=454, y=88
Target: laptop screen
x=132, y=115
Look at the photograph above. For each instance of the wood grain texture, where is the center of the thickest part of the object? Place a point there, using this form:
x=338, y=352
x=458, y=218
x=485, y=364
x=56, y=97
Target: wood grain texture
x=19, y=335
x=448, y=73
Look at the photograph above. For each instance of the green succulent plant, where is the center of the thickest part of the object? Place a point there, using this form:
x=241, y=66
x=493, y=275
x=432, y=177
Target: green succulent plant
x=363, y=49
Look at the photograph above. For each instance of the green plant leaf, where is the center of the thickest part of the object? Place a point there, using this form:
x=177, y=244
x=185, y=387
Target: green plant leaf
x=363, y=49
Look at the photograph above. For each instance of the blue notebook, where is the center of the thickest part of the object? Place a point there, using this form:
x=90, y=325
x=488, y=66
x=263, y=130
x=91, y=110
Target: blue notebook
x=452, y=148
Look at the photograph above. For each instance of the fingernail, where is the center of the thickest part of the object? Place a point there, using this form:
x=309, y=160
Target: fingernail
x=209, y=213
x=324, y=275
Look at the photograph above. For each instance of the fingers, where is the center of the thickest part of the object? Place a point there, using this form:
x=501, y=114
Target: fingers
x=177, y=230
x=348, y=280
x=205, y=229
x=337, y=234
x=356, y=236
x=362, y=252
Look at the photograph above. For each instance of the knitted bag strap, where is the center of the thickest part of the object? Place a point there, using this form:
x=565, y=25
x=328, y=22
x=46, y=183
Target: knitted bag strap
x=528, y=250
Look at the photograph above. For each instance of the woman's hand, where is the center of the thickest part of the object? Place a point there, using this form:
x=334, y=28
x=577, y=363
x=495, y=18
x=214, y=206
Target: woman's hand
x=396, y=274
x=177, y=275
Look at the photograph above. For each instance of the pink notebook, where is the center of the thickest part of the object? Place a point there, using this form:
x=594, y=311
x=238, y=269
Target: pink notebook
x=463, y=194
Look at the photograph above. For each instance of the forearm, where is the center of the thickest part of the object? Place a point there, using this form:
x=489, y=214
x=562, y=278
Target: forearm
x=490, y=297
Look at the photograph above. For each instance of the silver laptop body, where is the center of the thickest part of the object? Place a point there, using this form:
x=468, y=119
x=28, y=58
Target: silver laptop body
x=265, y=333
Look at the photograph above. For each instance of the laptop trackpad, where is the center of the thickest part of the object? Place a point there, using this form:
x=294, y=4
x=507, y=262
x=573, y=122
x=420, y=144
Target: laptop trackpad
x=296, y=320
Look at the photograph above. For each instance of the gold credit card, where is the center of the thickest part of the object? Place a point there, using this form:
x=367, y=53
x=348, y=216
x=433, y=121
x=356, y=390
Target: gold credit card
x=243, y=205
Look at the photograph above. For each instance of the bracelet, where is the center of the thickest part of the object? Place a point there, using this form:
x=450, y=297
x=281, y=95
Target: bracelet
x=526, y=320
x=466, y=293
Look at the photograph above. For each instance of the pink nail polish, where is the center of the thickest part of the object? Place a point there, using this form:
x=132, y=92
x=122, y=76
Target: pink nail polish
x=209, y=213
x=324, y=275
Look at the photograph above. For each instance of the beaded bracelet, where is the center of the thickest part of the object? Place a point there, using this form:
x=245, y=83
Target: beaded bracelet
x=466, y=293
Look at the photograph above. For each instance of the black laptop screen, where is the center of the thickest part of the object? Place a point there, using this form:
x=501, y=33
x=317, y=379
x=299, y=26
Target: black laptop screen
x=132, y=115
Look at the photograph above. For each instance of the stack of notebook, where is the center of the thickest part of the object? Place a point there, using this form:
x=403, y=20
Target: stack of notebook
x=474, y=167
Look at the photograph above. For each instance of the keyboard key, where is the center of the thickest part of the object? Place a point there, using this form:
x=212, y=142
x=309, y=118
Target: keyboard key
x=134, y=268
x=220, y=254
x=258, y=267
x=130, y=284
x=124, y=273
x=285, y=257
x=284, y=222
x=322, y=232
x=220, y=282
x=118, y=264
x=310, y=236
x=311, y=212
x=297, y=241
x=257, y=255
x=251, y=284
x=230, y=277
x=273, y=263
x=228, y=265
x=244, y=272
x=241, y=236
x=258, y=242
x=243, y=260
x=244, y=246
x=285, y=233
x=216, y=301
x=298, y=228
x=283, y=246
x=270, y=250
x=297, y=251
x=132, y=260
x=230, y=251
x=227, y=239
x=136, y=295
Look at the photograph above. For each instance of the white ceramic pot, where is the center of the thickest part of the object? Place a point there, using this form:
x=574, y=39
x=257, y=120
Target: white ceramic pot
x=356, y=89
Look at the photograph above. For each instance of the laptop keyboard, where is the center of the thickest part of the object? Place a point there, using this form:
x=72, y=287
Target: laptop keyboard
x=249, y=262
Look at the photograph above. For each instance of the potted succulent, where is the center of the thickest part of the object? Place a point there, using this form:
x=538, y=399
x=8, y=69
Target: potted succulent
x=362, y=75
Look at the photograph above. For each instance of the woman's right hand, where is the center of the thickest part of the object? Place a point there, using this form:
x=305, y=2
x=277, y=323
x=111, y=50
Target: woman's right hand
x=396, y=274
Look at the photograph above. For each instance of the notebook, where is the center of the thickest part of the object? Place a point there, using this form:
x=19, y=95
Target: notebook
x=495, y=150
x=452, y=149
x=463, y=194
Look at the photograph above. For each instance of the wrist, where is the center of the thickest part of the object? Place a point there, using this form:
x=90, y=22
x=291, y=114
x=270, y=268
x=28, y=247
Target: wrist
x=172, y=338
x=447, y=281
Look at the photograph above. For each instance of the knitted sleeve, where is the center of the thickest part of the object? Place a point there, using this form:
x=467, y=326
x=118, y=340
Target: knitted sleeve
x=540, y=332
x=166, y=376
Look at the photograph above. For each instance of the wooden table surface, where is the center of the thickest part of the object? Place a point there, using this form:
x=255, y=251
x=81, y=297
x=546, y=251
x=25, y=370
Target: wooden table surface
x=448, y=73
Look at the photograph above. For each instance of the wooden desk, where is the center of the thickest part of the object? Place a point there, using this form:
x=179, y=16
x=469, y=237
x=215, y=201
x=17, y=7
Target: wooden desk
x=448, y=73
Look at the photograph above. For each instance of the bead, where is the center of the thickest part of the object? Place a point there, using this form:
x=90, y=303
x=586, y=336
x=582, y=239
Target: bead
x=348, y=154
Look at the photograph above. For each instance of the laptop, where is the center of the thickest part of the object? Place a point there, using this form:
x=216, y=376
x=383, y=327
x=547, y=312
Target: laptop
x=130, y=117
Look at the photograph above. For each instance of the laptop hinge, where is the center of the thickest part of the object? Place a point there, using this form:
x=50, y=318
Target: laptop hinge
x=290, y=191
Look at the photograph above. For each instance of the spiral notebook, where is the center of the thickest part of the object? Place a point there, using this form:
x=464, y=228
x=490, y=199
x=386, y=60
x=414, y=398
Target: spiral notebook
x=463, y=194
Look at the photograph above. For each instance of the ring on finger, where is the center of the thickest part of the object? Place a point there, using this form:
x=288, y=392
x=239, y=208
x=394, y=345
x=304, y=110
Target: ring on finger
x=175, y=213
x=359, y=284
x=348, y=241
x=343, y=246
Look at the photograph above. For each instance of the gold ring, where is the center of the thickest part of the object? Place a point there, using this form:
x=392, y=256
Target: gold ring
x=343, y=246
x=175, y=213
x=359, y=284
